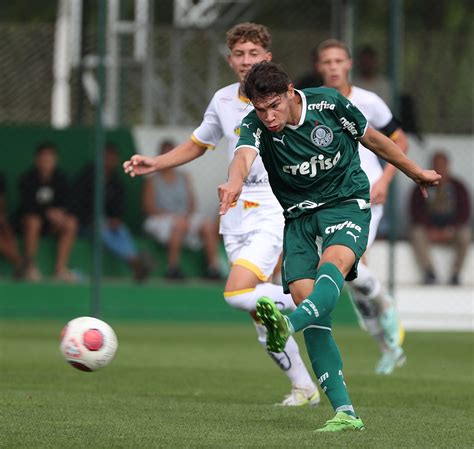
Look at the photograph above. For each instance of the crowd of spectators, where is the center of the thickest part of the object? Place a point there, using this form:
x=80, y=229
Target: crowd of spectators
x=61, y=207
x=53, y=204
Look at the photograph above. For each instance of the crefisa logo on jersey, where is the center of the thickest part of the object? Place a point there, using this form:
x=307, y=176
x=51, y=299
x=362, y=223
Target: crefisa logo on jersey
x=313, y=166
x=322, y=136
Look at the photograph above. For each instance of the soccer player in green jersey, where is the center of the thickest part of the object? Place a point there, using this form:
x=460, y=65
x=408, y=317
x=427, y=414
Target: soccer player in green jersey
x=308, y=141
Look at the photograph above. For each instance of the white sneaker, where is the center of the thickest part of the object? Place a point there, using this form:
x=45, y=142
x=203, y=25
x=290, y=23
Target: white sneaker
x=301, y=396
x=390, y=360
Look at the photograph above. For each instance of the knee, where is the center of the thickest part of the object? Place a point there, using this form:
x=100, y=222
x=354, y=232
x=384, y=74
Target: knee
x=181, y=224
x=241, y=299
x=70, y=224
x=32, y=223
x=463, y=235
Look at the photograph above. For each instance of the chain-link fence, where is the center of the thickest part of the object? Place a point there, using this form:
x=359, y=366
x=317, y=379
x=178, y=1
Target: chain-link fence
x=189, y=63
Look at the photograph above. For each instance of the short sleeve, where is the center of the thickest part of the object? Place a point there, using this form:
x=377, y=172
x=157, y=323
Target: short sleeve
x=250, y=133
x=381, y=115
x=209, y=132
x=350, y=117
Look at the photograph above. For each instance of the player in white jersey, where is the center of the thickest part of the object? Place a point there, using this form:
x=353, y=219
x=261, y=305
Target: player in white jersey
x=253, y=228
x=374, y=306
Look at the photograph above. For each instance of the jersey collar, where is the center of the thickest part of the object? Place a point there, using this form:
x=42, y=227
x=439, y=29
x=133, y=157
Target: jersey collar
x=303, y=111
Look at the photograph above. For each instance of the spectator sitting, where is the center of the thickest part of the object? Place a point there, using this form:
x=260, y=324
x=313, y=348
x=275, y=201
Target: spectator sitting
x=44, y=208
x=442, y=218
x=115, y=234
x=8, y=244
x=169, y=205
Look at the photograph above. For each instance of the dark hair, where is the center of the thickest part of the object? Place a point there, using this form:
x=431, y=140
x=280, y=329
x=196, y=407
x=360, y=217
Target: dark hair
x=330, y=43
x=249, y=32
x=366, y=50
x=264, y=79
x=45, y=146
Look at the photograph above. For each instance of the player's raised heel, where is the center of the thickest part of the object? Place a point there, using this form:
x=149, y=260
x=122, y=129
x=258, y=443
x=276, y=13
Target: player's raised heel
x=390, y=360
x=342, y=422
x=275, y=322
x=301, y=396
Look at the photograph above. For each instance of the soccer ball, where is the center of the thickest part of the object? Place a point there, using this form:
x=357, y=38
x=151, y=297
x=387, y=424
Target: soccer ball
x=88, y=344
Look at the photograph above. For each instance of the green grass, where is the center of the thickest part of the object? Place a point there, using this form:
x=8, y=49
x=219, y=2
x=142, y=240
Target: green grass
x=211, y=386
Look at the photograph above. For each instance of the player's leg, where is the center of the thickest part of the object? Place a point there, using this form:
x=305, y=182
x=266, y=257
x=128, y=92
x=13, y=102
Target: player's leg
x=253, y=257
x=316, y=291
x=376, y=309
x=322, y=349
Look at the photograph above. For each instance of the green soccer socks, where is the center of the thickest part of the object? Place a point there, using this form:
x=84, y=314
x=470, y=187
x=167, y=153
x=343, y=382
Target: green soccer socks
x=322, y=300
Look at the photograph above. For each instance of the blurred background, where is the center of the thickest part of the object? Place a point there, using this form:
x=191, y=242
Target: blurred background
x=79, y=73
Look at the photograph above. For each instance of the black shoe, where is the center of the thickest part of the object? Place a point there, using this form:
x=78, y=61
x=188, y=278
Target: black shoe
x=174, y=273
x=213, y=274
x=430, y=278
x=455, y=280
x=143, y=267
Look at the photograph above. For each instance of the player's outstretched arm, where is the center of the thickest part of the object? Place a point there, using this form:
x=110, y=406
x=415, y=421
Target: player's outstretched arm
x=143, y=165
x=379, y=190
x=385, y=148
x=238, y=171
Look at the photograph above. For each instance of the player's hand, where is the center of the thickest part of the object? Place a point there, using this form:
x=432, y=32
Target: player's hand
x=379, y=192
x=425, y=179
x=228, y=194
x=139, y=165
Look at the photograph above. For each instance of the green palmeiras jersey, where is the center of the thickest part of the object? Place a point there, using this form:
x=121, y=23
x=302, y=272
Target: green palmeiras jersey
x=316, y=162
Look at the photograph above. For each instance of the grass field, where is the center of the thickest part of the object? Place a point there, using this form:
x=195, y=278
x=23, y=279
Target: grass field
x=211, y=386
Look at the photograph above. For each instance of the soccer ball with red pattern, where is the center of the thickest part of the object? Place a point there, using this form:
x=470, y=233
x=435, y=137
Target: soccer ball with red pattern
x=88, y=344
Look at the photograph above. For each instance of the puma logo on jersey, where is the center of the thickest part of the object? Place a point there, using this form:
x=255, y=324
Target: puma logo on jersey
x=347, y=224
x=247, y=124
x=353, y=235
x=311, y=167
x=276, y=139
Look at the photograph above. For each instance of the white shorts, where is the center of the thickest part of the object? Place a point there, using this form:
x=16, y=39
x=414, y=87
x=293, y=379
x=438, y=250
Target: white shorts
x=254, y=210
x=160, y=227
x=377, y=213
x=258, y=251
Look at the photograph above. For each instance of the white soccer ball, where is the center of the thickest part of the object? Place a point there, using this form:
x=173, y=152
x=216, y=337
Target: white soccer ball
x=88, y=344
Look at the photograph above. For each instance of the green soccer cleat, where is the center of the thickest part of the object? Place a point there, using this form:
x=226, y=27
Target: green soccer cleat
x=342, y=422
x=275, y=322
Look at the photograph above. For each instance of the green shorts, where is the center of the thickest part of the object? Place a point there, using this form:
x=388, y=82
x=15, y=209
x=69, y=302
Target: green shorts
x=307, y=237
